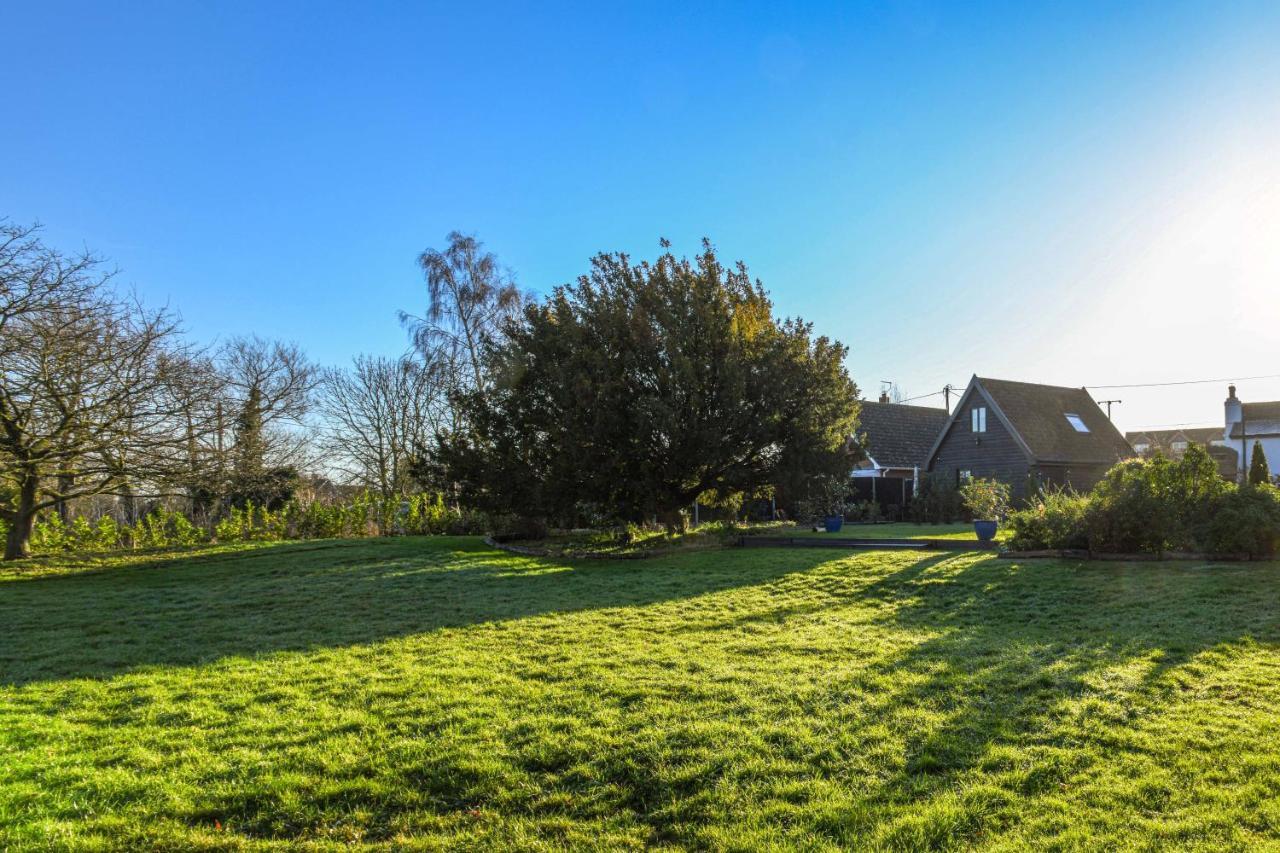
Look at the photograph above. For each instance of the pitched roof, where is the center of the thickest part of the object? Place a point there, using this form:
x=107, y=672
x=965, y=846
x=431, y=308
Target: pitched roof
x=899, y=436
x=1165, y=437
x=1259, y=419
x=1261, y=411
x=1037, y=415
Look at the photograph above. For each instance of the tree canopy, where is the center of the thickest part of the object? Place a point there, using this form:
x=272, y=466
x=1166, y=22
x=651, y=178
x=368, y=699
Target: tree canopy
x=631, y=392
x=90, y=385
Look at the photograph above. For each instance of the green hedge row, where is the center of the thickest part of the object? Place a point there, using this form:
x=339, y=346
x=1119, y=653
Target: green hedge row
x=1156, y=506
x=364, y=515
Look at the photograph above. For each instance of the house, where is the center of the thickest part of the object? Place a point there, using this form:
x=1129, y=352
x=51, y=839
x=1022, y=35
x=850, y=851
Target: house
x=1173, y=443
x=1027, y=435
x=896, y=439
x=1247, y=423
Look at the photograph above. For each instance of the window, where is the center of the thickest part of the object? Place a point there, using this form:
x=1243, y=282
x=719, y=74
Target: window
x=978, y=418
x=963, y=476
x=1141, y=447
x=1178, y=446
x=1076, y=423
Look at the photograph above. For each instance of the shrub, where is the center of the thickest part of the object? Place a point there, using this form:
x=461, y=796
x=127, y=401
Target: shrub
x=364, y=514
x=1259, y=471
x=50, y=535
x=829, y=495
x=987, y=500
x=1246, y=521
x=519, y=527
x=1056, y=520
x=1155, y=505
x=1127, y=512
x=938, y=502
x=467, y=523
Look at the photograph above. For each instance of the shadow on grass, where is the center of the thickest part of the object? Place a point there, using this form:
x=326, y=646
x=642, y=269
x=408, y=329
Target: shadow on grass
x=200, y=608
x=1011, y=642
x=994, y=648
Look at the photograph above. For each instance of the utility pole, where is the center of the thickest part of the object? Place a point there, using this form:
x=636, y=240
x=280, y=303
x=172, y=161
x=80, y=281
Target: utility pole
x=946, y=391
x=1108, y=403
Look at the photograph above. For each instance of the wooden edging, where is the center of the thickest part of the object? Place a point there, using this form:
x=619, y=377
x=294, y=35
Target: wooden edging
x=527, y=551
x=868, y=544
x=1079, y=554
x=887, y=544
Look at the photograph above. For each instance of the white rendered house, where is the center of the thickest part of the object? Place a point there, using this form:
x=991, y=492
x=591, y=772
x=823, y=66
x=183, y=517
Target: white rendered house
x=1247, y=423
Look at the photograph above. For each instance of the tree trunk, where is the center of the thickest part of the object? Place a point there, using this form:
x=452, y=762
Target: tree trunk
x=128, y=504
x=23, y=521
x=65, y=483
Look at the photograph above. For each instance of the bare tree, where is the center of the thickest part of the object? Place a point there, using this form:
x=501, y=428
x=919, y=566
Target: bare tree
x=201, y=397
x=86, y=393
x=379, y=414
x=469, y=297
x=271, y=384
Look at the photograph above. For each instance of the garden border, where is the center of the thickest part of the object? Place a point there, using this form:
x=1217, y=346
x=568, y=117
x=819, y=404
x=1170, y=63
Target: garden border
x=1105, y=556
x=528, y=551
x=887, y=544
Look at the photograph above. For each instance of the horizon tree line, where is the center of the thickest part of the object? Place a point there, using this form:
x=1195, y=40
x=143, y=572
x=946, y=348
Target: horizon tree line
x=619, y=398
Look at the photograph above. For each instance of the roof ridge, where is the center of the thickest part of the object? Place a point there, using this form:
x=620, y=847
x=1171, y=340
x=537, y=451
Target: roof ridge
x=1084, y=388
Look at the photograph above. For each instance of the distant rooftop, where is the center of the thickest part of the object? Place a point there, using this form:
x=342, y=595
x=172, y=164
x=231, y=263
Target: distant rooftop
x=898, y=435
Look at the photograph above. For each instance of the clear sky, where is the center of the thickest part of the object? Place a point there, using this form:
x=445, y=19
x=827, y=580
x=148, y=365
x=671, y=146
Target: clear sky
x=1078, y=193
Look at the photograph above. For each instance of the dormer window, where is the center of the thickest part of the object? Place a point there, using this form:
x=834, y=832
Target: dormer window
x=1076, y=423
x=1142, y=447
x=978, y=418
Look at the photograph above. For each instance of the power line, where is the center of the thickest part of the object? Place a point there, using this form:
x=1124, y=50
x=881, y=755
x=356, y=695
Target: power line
x=1186, y=382
x=933, y=394
x=921, y=397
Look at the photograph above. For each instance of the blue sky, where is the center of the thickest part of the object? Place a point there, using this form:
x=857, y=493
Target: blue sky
x=1068, y=193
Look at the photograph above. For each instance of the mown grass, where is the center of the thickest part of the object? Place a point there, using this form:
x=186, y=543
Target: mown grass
x=435, y=694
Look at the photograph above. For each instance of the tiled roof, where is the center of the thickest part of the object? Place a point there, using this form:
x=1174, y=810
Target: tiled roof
x=899, y=436
x=1256, y=428
x=1259, y=419
x=1165, y=437
x=1262, y=411
x=1038, y=414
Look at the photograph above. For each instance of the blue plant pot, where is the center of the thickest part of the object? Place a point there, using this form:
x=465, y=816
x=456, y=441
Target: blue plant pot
x=833, y=523
x=986, y=530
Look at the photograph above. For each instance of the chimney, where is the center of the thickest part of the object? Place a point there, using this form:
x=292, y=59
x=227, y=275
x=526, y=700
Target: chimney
x=1232, y=408
x=1234, y=414
x=884, y=396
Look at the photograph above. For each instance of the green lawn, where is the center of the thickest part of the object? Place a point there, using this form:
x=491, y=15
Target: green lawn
x=434, y=694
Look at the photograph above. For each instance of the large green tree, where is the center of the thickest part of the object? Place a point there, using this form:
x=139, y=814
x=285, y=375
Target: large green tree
x=632, y=392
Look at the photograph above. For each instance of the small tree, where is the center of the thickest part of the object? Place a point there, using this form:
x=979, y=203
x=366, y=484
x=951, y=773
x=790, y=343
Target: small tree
x=1259, y=472
x=987, y=500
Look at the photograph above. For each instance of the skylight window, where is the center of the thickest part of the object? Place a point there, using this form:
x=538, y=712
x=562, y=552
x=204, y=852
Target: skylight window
x=1076, y=423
